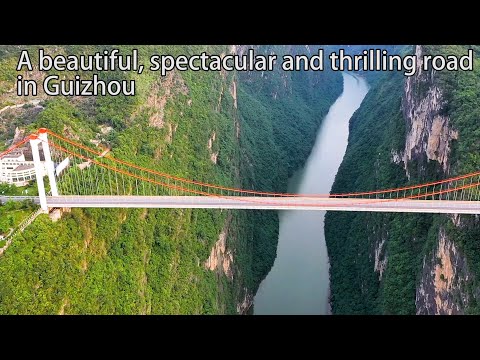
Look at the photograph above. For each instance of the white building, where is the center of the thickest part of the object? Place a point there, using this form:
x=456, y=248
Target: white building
x=16, y=170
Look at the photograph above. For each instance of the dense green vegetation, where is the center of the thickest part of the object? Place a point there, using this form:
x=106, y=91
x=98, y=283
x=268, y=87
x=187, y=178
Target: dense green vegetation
x=377, y=129
x=12, y=214
x=152, y=261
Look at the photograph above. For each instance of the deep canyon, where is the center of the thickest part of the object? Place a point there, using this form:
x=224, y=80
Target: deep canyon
x=270, y=131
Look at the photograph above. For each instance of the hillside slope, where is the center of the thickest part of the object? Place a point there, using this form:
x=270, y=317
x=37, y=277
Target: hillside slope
x=247, y=130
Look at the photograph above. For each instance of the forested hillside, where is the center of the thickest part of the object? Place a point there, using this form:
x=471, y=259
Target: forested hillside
x=409, y=131
x=247, y=130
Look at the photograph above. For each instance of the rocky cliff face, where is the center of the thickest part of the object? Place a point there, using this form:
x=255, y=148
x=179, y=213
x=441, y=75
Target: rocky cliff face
x=429, y=136
x=221, y=258
x=444, y=276
x=429, y=133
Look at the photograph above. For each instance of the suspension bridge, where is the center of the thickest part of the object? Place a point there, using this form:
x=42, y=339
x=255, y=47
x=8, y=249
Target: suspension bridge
x=85, y=176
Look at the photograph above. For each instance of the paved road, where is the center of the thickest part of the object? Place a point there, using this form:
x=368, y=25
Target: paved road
x=266, y=203
x=4, y=199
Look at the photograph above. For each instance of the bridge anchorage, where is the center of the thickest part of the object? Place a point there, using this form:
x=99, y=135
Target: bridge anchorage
x=84, y=176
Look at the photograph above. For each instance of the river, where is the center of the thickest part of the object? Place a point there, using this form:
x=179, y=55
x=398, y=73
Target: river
x=299, y=282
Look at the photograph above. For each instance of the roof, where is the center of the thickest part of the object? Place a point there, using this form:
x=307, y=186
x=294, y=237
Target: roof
x=13, y=155
x=23, y=167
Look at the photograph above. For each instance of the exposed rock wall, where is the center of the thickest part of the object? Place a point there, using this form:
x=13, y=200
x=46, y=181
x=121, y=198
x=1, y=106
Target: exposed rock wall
x=381, y=258
x=221, y=257
x=429, y=136
x=429, y=133
x=444, y=276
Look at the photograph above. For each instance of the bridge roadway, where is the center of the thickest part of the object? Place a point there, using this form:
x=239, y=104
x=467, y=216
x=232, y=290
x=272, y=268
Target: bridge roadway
x=259, y=203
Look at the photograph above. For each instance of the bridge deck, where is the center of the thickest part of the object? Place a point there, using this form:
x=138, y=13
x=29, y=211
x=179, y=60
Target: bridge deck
x=260, y=203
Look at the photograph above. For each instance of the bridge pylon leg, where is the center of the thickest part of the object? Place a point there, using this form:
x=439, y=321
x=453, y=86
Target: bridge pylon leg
x=48, y=161
x=39, y=172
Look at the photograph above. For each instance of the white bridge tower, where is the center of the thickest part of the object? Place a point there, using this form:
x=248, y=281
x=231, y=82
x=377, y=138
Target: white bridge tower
x=35, y=140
